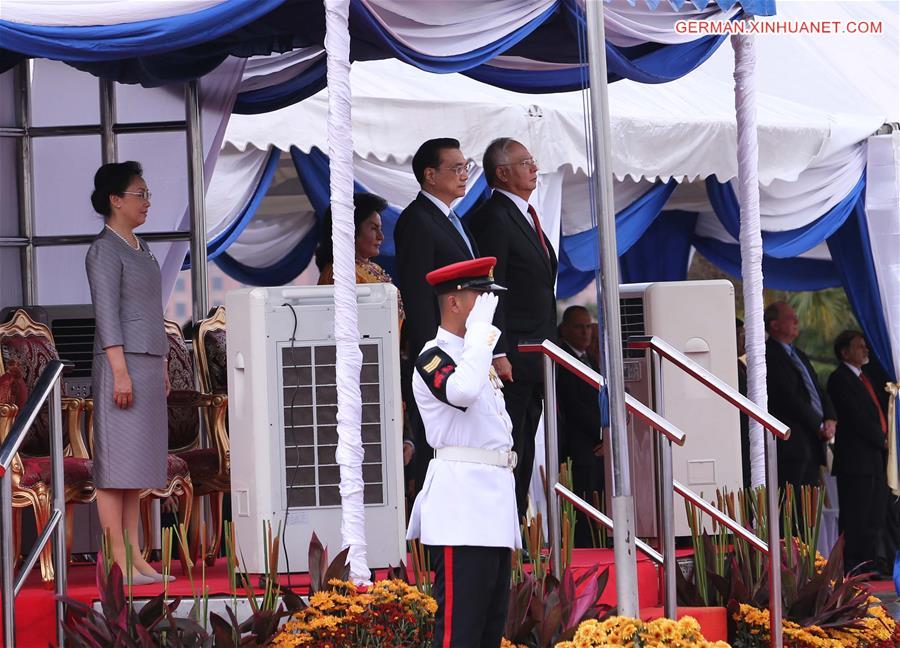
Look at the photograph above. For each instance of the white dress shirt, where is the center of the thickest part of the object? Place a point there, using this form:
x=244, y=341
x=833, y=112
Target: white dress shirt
x=466, y=503
x=521, y=204
x=856, y=370
x=440, y=204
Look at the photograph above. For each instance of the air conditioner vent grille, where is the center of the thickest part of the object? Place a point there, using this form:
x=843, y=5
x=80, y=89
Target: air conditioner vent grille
x=74, y=339
x=309, y=400
x=631, y=312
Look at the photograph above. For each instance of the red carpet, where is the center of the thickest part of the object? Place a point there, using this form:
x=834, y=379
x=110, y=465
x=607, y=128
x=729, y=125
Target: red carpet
x=35, y=612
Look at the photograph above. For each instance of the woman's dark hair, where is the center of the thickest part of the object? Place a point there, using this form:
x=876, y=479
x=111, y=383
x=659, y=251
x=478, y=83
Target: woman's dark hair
x=363, y=206
x=112, y=178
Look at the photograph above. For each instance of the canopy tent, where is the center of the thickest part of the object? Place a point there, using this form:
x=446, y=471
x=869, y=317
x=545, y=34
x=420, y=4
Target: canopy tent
x=510, y=48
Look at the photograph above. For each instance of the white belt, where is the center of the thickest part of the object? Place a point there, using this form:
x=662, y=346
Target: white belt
x=502, y=458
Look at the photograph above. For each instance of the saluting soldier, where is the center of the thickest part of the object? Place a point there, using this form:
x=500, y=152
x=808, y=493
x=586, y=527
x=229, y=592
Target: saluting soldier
x=466, y=512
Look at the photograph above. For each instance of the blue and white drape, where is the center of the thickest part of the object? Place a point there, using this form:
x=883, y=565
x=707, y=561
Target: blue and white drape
x=516, y=44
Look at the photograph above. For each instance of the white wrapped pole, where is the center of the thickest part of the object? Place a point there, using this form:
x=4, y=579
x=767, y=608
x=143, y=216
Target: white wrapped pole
x=751, y=243
x=346, y=330
x=762, y=444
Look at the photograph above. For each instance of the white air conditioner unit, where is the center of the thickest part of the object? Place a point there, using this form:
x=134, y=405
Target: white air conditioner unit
x=698, y=319
x=282, y=419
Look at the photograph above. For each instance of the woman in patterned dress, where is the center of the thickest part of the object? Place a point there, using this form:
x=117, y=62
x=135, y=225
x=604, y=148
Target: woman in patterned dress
x=367, y=210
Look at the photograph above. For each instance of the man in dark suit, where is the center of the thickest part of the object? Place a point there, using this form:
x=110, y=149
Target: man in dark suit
x=796, y=398
x=429, y=235
x=860, y=451
x=508, y=227
x=741, y=336
x=579, y=428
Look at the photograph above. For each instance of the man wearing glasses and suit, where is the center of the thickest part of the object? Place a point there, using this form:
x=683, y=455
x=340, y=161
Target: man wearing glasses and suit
x=430, y=235
x=508, y=227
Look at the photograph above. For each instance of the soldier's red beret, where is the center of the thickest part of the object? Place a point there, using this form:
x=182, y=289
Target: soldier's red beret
x=474, y=274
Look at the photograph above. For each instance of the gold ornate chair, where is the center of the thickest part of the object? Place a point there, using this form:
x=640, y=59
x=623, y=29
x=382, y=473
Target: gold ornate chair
x=185, y=405
x=28, y=346
x=178, y=485
x=209, y=353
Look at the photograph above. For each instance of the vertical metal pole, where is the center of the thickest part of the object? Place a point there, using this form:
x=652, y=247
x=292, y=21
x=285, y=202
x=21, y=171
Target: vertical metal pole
x=666, y=496
x=552, y=460
x=196, y=200
x=59, y=504
x=608, y=289
x=25, y=182
x=6, y=561
x=197, y=207
x=775, y=636
x=108, y=120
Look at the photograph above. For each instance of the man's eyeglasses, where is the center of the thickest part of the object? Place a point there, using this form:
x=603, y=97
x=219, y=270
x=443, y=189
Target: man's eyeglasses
x=527, y=163
x=459, y=169
x=143, y=194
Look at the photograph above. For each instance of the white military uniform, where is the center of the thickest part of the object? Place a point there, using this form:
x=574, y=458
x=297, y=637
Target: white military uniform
x=464, y=502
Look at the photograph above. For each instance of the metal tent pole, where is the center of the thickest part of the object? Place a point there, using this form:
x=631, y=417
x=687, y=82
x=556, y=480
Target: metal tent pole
x=196, y=201
x=608, y=289
x=25, y=179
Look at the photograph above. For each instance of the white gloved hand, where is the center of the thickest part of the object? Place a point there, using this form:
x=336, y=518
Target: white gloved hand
x=483, y=310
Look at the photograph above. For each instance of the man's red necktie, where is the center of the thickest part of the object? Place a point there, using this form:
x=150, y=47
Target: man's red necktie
x=868, y=386
x=538, y=230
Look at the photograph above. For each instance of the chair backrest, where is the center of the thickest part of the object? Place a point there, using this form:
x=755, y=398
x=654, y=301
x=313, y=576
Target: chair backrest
x=184, y=422
x=210, y=352
x=30, y=345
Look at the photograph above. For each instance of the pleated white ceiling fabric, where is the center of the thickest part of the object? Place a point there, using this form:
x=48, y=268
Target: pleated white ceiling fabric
x=79, y=13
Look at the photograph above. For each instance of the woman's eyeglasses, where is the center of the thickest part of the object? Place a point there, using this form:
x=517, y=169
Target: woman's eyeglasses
x=143, y=194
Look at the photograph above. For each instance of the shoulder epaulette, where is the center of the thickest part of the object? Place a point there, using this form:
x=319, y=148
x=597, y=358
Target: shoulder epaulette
x=435, y=367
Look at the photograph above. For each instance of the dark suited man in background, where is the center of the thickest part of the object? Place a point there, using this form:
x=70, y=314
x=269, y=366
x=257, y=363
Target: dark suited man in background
x=508, y=227
x=429, y=235
x=579, y=418
x=796, y=398
x=860, y=451
x=741, y=339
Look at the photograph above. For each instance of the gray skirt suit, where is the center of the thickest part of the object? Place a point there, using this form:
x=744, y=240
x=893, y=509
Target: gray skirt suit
x=130, y=446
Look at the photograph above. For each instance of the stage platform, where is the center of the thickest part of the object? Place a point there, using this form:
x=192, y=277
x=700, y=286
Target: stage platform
x=35, y=613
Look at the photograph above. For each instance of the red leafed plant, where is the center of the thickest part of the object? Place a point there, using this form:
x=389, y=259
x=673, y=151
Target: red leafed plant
x=543, y=610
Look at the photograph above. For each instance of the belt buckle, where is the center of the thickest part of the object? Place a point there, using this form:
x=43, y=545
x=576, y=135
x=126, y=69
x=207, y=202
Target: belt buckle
x=512, y=460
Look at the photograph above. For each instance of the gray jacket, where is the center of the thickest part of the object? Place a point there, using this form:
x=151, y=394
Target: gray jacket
x=126, y=290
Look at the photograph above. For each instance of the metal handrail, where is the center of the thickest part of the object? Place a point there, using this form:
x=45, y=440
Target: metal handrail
x=48, y=386
x=554, y=354
x=712, y=381
x=595, y=380
x=592, y=512
x=722, y=518
x=779, y=430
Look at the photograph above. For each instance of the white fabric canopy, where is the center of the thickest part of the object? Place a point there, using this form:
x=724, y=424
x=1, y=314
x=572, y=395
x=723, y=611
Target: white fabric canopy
x=73, y=13
x=683, y=129
x=810, y=157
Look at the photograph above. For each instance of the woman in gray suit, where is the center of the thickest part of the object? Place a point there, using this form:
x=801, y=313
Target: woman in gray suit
x=130, y=380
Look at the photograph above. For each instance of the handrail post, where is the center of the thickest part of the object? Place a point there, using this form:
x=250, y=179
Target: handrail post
x=551, y=452
x=775, y=612
x=666, y=508
x=59, y=503
x=6, y=561
x=47, y=387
